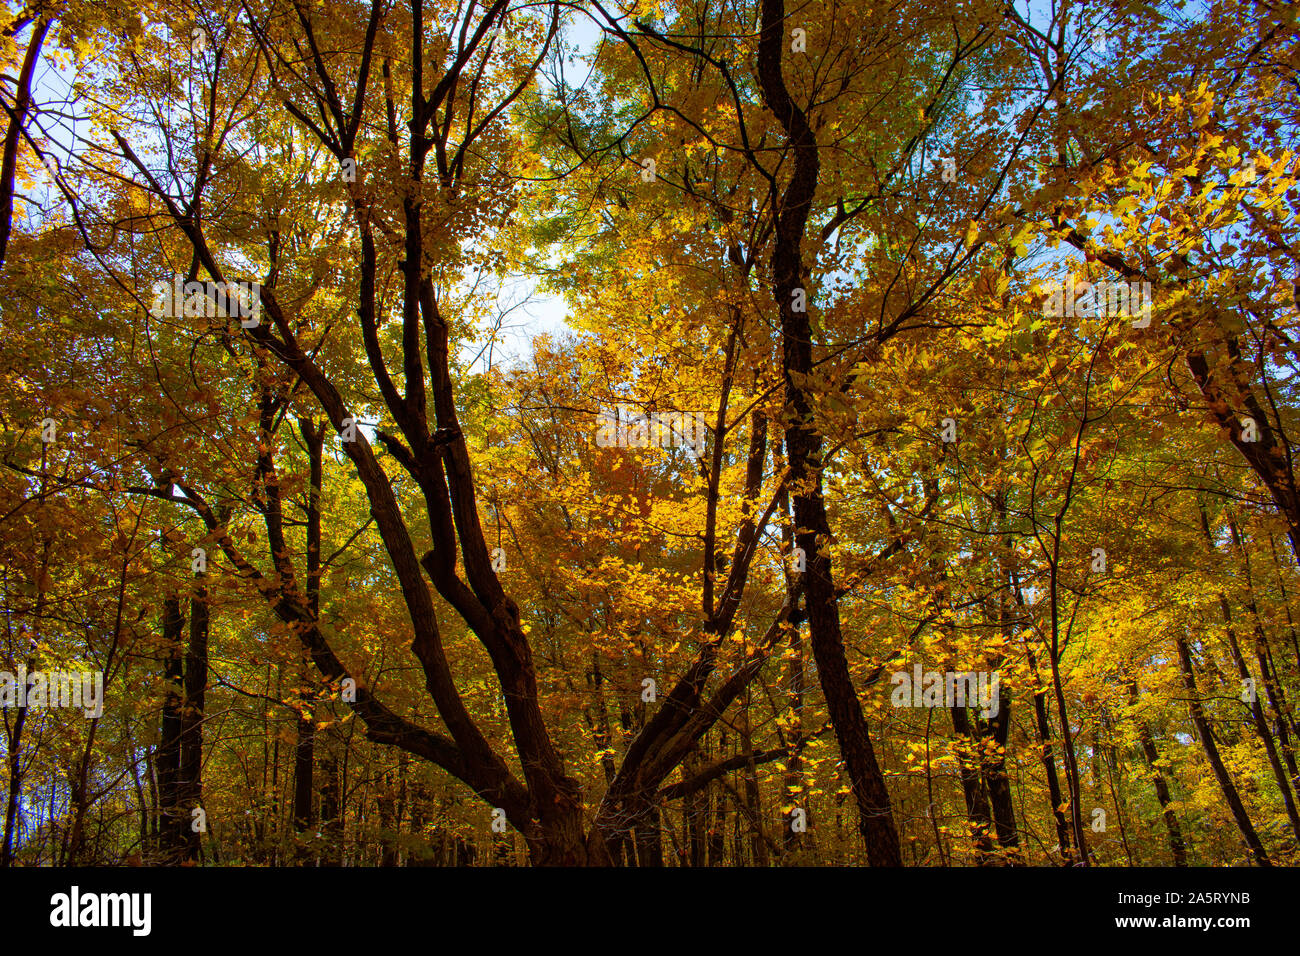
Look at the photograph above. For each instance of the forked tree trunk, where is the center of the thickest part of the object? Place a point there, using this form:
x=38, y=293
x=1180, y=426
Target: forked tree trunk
x=978, y=815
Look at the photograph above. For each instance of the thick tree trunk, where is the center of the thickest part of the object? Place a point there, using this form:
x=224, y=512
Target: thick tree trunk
x=1269, y=460
x=191, y=730
x=753, y=799
x=648, y=836
x=305, y=745
x=167, y=760
x=999, y=784
x=331, y=825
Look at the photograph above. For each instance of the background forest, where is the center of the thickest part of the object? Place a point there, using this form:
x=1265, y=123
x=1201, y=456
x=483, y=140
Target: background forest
x=368, y=585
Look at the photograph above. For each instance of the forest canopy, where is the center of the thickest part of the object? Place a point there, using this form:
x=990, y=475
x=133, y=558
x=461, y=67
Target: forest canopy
x=692, y=433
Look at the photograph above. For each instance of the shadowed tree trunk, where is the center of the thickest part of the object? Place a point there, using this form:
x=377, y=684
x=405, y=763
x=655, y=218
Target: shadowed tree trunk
x=14, y=749
x=305, y=746
x=191, y=729
x=331, y=825
x=17, y=120
x=1211, y=749
x=695, y=812
x=804, y=448
x=1044, y=726
x=1152, y=756
x=167, y=761
x=753, y=799
x=978, y=815
x=999, y=784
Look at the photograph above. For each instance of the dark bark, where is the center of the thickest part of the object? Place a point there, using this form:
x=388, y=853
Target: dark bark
x=1229, y=399
x=305, y=744
x=978, y=815
x=753, y=799
x=14, y=748
x=167, y=760
x=546, y=805
x=331, y=822
x=1176, y=845
x=804, y=448
x=999, y=784
x=1044, y=725
x=1206, y=736
x=17, y=120
x=190, y=783
x=695, y=812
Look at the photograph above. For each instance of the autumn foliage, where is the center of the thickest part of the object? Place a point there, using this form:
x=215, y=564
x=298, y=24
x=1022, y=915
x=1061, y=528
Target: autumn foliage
x=937, y=338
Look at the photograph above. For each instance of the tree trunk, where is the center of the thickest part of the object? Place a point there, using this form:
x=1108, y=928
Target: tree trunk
x=17, y=121
x=305, y=745
x=1044, y=725
x=191, y=730
x=973, y=789
x=1152, y=756
x=753, y=799
x=999, y=784
x=168, y=757
x=331, y=853
x=804, y=446
x=14, y=747
x=1212, y=755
